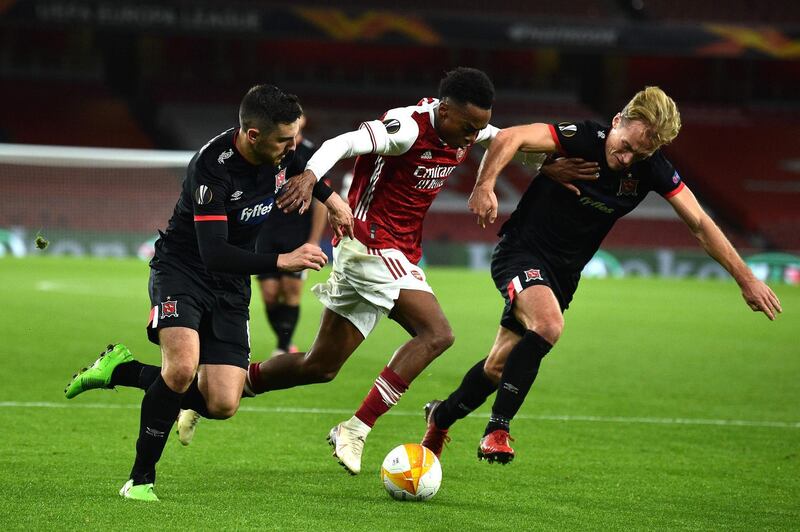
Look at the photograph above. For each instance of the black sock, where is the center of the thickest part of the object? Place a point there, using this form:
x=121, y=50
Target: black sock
x=518, y=376
x=194, y=400
x=135, y=375
x=475, y=388
x=283, y=319
x=160, y=407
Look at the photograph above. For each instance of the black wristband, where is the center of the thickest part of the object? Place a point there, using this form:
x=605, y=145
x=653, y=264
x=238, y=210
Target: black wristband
x=322, y=191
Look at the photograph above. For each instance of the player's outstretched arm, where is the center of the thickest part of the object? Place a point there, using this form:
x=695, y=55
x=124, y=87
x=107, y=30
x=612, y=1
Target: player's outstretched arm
x=296, y=193
x=527, y=138
x=307, y=256
x=756, y=294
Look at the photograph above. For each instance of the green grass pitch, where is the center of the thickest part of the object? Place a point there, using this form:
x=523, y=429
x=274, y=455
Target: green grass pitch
x=667, y=404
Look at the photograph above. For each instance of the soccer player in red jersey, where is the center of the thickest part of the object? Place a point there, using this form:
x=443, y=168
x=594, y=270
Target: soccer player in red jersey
x=403, y=161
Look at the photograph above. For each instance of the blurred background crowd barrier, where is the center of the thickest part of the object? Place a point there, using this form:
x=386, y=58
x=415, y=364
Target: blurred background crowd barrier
x=104, y=102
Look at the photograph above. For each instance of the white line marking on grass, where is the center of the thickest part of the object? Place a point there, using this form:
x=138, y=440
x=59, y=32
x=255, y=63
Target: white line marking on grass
x=342, y=411
x=82, y=289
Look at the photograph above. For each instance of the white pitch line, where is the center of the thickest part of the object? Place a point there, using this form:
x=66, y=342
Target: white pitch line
x=542, y=417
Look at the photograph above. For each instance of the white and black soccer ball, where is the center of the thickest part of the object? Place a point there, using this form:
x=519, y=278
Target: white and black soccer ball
x=411, y=472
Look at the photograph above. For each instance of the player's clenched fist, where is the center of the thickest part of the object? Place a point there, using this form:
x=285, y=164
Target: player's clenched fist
x=483, y=202
x=307, y=256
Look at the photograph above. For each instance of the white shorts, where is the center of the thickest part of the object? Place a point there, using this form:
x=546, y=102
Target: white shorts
x=365, y=282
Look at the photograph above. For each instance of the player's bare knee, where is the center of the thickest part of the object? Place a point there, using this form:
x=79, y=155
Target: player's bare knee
x=550, y=330
x=438, y=341
x=179, y=376
x=222, y=409
x=493, y=370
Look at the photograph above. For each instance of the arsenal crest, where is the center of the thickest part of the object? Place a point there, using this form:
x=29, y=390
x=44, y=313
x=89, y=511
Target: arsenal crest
x=280, y=180
x=460, y=154
x=628, y=186
x=533, y=275
x=417, y=275
x=169, y=309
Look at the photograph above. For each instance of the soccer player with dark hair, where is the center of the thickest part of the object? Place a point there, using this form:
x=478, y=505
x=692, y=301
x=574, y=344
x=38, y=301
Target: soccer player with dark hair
x=550, y=237
x=281, y=291
x=403, y=161
x=200, y=279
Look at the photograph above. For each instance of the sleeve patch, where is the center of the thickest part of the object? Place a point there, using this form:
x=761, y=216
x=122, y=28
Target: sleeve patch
x=567, y=129
x=392, y=125
x=203, y=195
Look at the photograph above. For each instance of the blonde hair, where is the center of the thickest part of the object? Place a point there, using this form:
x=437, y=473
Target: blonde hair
x=657, y=111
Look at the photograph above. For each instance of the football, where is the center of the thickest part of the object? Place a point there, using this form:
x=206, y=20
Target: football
x=411, y=472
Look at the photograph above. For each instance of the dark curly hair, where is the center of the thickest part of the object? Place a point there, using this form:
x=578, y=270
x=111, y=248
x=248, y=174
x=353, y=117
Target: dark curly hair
x=265, y=106
x=467, y=85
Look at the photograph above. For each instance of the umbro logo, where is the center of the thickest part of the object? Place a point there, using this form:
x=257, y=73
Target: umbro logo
x=426, y=155
x=601, y=134
x=154, y=432
x=224, y=156
x=236, y=195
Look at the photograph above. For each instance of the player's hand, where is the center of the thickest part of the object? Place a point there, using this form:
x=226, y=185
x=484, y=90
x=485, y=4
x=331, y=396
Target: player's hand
x=761, y=298
x=563, y=170
x=483, y=202
x=339, y=216
x=307, y=256
x=296, y=193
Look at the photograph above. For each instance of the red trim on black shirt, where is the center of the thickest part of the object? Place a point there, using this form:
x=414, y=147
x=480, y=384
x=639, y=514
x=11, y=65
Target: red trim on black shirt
x=210, y=218
x=673, y=192
x=555, y=139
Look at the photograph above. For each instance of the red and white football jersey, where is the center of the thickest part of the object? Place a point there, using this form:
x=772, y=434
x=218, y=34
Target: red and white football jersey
x=394, y=185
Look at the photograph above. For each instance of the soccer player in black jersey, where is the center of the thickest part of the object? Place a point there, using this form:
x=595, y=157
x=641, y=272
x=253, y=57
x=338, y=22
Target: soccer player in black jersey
x=281, y=291
x=554, y=231
x=200, y=278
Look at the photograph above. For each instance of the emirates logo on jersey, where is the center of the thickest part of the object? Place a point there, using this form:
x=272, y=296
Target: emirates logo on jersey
x=432, y=178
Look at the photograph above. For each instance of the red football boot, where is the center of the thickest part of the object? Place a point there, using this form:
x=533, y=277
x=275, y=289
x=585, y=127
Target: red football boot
x=434, y=438
x=494, y=447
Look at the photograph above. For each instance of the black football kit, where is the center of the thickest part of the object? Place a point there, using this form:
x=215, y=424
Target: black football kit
x=200, y=274
x=553, y=232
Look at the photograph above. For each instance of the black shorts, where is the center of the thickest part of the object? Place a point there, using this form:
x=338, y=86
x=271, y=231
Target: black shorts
x=515, y=267
x=221, y=317
x=282, y=239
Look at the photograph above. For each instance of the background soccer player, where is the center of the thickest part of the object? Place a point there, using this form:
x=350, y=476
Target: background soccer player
x=403, y=162
x=200, y=279
x=554, y=231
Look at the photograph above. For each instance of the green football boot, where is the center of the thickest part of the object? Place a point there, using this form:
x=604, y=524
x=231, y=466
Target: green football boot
x=98, y=375
x=139, y=492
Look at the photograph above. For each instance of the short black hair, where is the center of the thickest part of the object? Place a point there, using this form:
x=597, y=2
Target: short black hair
x=467, y=85
x=265, y=106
